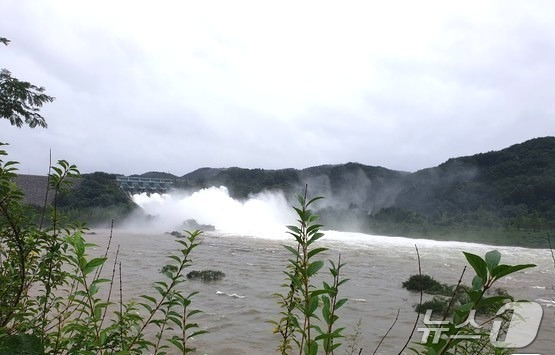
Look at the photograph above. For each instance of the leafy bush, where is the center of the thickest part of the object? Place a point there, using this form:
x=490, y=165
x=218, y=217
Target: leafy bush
x=64, y=313
x=438, y=305
x=206, y=275
x=427, y=284
x=488, y=271
x=298, y=323
x=95, y=190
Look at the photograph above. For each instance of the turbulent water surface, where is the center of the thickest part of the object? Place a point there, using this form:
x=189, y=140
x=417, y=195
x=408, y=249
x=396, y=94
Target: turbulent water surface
x=236, y=308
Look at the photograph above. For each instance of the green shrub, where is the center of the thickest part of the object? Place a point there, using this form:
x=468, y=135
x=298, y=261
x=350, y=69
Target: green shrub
x=427, y=284
x=300, y=327
x=488, y=271
x=64, y=314
x=206, y=275
x=438, y=305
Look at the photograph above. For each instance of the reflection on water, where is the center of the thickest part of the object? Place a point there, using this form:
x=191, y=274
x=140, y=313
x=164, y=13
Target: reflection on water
x=236, y=308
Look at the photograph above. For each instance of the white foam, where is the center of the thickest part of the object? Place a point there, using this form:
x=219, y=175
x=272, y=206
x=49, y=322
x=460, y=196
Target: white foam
x=265, y=216
x=233, y=295
x=547, y=303
x=265, y=213
x=358, y=299
x=393, y=242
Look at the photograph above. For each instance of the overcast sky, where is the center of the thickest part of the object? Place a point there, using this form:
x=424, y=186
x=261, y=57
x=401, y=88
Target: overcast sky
x=177, y=85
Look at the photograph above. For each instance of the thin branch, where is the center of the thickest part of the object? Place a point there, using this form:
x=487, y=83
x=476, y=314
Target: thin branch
x=419, y=303
x=551, y=249
x=47, y=189
x=387, y=333
x=120, y=309
x=111, y=287
x=99, y=270
x=454, y=295
x=333, y=302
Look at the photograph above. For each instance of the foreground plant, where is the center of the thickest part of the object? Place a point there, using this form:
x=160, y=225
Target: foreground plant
x=50, y=289
x=463, y=334
x=300, y=327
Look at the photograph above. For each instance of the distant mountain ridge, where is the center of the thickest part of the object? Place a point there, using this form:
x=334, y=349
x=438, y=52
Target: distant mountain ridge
x=515, y=185
x=520, y=174
x=513, y=189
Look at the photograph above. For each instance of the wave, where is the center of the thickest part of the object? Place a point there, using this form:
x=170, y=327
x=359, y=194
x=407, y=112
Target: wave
x=233, y=295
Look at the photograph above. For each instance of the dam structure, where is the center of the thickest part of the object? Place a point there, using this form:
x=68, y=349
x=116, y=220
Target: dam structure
x=136, y=185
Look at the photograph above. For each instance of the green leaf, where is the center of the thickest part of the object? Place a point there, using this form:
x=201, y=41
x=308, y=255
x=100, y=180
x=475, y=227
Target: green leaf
x=326, y=309
x=103, y=337
x=342, y=282
x=492, y=259
x=314, y=238
x=494, y=300
x=478, y=264
x=177, y=343
x=93, y=290
x=294, y=229
x=149, y=298
x=314, y=267
x=313, y=348
x=93, y=264
x=146, y=306
x=340, y=303
x=504, y=270
x=314, y=200
x=313, y=305
x=292, y=250
x=98, y=281
x=197, y=333
x=316, y=251
x=79, y=244
x=477, y=283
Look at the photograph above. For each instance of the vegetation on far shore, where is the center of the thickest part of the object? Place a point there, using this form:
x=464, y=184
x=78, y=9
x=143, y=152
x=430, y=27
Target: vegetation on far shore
x=497, y=198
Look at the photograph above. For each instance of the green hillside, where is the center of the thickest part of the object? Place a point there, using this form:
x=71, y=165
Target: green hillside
x=501, y=197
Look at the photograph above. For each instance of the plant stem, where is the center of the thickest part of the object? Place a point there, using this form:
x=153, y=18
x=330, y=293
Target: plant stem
x=419, y=302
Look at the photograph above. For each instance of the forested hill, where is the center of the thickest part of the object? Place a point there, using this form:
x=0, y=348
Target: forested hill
x=342, y=182
x=514, y=180
x=512, y=189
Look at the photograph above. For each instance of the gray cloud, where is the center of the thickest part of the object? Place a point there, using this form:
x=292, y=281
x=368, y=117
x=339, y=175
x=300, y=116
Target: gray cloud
x=176, y=87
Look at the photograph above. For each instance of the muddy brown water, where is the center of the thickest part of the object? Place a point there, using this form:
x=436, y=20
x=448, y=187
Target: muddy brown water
x=237, y=308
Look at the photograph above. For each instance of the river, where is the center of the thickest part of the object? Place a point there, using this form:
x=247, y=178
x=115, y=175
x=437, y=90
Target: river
x=236, y=308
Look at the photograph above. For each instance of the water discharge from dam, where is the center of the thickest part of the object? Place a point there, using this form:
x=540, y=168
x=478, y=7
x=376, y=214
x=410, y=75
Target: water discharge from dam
x=263, y=213
x=247, y=247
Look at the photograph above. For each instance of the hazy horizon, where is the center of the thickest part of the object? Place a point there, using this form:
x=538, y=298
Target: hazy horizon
x=282, y=168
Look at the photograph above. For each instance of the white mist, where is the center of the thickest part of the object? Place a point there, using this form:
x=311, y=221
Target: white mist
x=265, y=213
